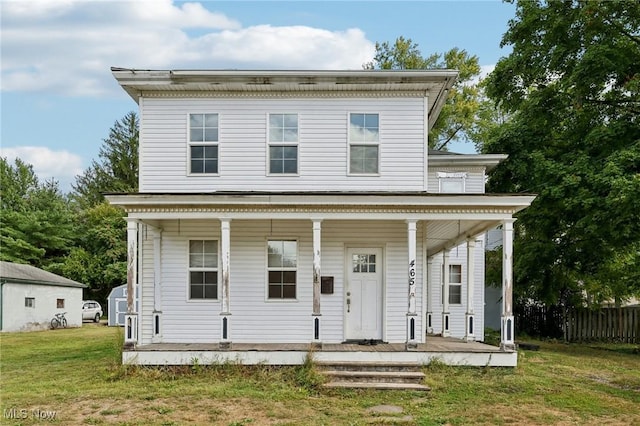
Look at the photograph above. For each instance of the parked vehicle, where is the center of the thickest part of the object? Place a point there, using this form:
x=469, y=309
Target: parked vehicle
x=91, y=310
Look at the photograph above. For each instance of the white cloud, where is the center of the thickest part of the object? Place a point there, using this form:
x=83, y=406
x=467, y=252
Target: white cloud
x=62, y=166
x=68, y=46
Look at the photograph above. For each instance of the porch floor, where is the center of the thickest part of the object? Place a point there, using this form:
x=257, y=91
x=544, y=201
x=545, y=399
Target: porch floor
x=446, y=350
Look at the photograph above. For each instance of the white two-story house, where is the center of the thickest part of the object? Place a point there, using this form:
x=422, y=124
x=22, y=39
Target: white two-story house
x=279, y=210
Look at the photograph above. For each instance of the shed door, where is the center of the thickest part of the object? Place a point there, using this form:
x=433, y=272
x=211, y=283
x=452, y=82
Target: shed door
x=363, y=294
x=121, y=310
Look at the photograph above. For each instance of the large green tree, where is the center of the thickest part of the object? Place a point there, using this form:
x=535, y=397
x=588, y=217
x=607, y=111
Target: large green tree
x=100, y=257
x=117, y=167
x=36, y=222
x=459, y=116
x=571, y=87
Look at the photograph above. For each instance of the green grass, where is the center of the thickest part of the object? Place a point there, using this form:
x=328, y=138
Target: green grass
x=77, y=374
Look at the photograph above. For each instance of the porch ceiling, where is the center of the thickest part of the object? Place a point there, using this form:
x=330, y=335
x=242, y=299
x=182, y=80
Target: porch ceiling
x=449, y=219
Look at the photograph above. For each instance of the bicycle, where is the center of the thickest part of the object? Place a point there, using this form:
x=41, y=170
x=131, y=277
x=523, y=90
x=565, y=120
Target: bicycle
x=59, y=321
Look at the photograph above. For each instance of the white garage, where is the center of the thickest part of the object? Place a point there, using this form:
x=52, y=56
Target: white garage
x=30, y=297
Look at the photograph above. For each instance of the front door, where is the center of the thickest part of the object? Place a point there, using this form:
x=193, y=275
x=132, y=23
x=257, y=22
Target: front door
x=363, y=294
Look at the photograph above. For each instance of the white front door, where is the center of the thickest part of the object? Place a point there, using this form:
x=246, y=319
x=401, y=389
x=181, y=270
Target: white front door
x=363, y=294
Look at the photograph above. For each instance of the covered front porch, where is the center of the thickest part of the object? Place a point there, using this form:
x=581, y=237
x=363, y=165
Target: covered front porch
x=407, y=236
x=448, y=351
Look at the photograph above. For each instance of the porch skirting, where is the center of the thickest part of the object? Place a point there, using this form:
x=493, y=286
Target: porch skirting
x=444, y=350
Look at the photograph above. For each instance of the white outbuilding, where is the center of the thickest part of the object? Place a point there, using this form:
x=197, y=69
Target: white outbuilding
x=30, y=297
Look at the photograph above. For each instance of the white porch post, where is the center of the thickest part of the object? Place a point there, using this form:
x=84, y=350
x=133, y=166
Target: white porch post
x=157, y=279
x=225, y=257
x=471, y=270
x=411, y=308
x=316, y=315
x=445, y=294
x=507, y=339
x=131, y=318
x=429, y=295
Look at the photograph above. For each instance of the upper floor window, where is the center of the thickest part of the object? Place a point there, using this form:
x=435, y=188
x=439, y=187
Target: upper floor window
x=452, y=183
x=364, y=132
x=283, y=143
x=203, y=143
x=203, y=269
x=282, y=269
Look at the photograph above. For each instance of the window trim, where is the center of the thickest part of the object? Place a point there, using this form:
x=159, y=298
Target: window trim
x=189, y=299
x=462, y=176
x=271, y=143
x=351, y=143
x=456, y=283
x=191, y=144
x=267, y=270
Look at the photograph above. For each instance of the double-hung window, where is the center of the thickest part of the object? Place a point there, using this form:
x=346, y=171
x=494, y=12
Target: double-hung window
x=364, y=138
x=203, y=269
x=455, y=284
x=283, y=143
x=203, y=143
x=282, y=269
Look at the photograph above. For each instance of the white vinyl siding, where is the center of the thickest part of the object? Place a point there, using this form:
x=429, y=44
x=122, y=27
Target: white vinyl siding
x=458, y=256
x=323, y=126
x=255, y=316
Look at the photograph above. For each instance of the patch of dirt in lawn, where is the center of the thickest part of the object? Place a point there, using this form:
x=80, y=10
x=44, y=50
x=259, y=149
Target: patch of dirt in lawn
x=198, y=411
x=530, y=414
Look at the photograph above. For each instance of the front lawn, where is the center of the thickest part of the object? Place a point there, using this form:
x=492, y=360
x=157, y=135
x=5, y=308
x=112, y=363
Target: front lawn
x=74, y=377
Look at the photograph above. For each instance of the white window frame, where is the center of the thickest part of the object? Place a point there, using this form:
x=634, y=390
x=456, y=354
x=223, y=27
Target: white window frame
x=453, y=283
x=283, y=143
x=457, y=177
x=281, y=268
x=204, y=269
x=353, y=142
x=203, y=143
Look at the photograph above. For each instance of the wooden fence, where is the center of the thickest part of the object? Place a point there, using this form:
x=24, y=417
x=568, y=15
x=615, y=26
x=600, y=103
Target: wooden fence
x=540, y=321
x=580, y=325
x=607, y=324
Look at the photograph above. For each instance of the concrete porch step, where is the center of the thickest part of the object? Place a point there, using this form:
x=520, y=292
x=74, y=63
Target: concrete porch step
x=368, y=366
x=375, y=376
x=380, y=386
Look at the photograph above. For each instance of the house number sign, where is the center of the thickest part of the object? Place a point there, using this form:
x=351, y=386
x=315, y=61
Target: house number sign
x=412, y=286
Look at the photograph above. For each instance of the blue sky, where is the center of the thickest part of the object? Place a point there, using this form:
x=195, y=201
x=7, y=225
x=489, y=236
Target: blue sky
x=59, y=99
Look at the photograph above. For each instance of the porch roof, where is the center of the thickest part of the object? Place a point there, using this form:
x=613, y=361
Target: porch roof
x=450, y=218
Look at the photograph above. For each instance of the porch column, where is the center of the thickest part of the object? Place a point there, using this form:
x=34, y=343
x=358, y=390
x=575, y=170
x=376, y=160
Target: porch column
x=445, y=294
x=471, y=269
x=429, y=295
x=317, y=234
x=131, y=318
x=507, y=339
x=412, y=316
x=225, y=257
x=157, y=279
